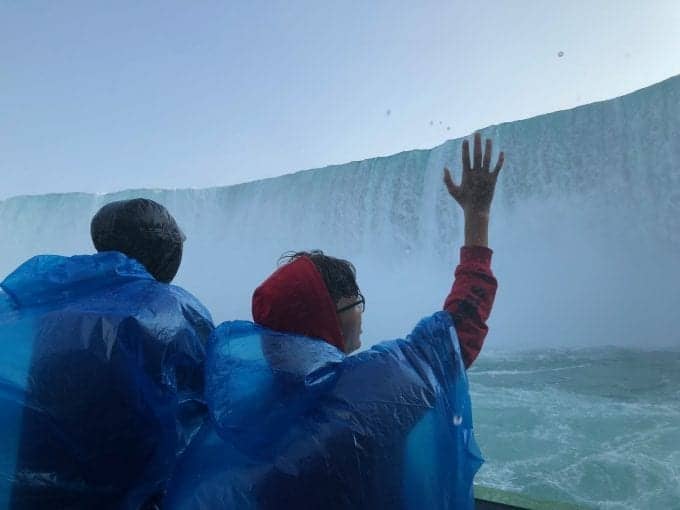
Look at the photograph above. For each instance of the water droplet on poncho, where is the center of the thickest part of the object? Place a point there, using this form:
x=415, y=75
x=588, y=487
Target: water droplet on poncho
x=457, y=420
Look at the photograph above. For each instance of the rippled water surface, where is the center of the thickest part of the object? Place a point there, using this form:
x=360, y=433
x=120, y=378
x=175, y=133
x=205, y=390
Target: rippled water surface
x=596, y=427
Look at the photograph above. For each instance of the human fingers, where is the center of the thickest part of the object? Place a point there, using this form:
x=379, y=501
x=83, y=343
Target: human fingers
x=487, y=155
x=477, y=158
x=499, y=164
x=453, y=189
x=466, y=156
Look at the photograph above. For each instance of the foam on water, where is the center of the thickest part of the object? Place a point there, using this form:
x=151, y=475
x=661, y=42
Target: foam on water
x=595, y=427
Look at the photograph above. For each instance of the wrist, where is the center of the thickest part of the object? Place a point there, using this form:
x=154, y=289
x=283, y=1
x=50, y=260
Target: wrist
x=477, y=214
x=476, y=228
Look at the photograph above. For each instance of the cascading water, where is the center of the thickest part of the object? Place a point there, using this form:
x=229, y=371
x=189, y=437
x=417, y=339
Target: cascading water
x=585, y=228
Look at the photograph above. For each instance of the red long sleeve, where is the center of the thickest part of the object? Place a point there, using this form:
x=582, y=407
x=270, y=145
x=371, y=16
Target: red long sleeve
x=471, y=299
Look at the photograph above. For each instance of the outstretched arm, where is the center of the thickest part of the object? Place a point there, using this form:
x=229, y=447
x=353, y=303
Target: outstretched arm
x=474, y=288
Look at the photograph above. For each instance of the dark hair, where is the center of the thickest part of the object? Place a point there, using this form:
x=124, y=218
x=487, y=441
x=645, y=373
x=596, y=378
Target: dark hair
x=143, y=230
x=339, y=275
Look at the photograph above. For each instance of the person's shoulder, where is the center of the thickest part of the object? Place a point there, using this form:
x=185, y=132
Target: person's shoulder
x=154, y=294
x=238, y=328
x=146, y=295
x=433, y=336
x=434, y=325
x=184, y=296
x=6, y=302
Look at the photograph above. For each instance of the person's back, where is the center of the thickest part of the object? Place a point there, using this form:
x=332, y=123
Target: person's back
x=296, y=423
x=332, y=431
x=108, y=384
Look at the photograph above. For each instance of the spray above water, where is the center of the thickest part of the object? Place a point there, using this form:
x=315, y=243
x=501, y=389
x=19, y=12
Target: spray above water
x=585, y=228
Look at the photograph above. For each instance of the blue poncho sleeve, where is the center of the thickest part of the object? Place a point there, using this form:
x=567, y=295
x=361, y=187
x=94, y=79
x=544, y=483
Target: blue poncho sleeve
x=297, y=424
x=101, y=382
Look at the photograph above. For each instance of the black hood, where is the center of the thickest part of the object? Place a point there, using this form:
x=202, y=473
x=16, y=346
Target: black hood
x=141, y=229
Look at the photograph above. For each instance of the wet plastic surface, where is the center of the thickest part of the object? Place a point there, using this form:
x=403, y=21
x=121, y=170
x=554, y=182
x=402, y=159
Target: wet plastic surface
x=101, y=382
x=144, y=230
x=297, y=424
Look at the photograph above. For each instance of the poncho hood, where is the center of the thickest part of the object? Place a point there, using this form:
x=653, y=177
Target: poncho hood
x=294, y=299
x=50, y=278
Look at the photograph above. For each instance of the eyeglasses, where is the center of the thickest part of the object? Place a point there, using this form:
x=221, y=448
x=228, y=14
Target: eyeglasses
x=361, y=302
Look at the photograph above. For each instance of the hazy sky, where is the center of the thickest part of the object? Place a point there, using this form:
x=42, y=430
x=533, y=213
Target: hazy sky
x=102, y=96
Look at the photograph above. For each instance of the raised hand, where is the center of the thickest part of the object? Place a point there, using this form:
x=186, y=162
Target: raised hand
x=475, y=192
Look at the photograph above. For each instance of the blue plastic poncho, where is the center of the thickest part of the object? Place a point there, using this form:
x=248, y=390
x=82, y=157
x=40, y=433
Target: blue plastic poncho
x=101, y=382
x=297, y=424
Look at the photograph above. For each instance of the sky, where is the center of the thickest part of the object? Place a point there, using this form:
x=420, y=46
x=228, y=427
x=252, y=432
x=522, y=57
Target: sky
x=105, y=96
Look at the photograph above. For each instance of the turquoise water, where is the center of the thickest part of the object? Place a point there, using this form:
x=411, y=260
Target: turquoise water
x=598, y=427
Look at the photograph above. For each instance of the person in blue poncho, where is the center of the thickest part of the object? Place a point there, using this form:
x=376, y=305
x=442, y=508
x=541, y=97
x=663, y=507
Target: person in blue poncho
x=297, y=423
x=101, y=368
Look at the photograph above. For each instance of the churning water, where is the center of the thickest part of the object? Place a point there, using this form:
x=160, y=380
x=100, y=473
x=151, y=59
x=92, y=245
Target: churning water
x=598, y=427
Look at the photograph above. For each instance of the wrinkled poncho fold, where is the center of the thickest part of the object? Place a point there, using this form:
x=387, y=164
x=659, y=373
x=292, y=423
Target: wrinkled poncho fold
x=297, y=424
x=101, y=382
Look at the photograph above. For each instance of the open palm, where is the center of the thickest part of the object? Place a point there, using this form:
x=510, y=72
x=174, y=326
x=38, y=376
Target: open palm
x=475, y=192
